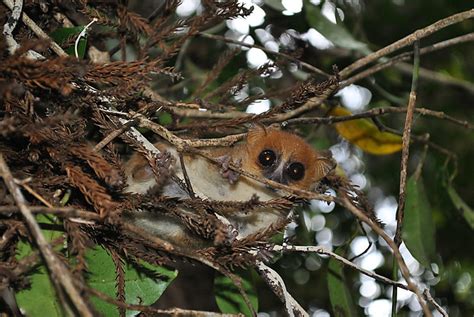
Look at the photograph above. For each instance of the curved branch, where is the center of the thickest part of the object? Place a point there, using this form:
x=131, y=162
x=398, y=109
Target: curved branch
x=407, y=40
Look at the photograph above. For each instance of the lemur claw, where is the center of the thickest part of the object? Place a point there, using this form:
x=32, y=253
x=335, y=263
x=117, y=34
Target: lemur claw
x=226, y=171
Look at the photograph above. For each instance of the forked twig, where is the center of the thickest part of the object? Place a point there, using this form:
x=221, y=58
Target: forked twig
x=396, y=251
x=60, y=275
x=37, y=30
x=407, y=40
x=406, y=147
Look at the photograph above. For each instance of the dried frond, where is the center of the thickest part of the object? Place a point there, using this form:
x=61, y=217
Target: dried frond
x=232, y=86
x=77, y=243
x=113, y=158
x=310, y=89
x=60, y=129
x=224, y=59
x=101, y=167
x=229, y=208
x=102, y=17
x=345, y=188
x=119, y=280
x=215, y=12
x=102, y=122
x=127, y=74
x=8, y=126
x=163, y=34
x=263, y=237
x=270, y=93
x=227, y=9
x=193, y=25
x=133, y=22
x=10, y=229
x=94, y=193
x=141, y=249
x=55, y=73
x=129, y=245
x=170, y=6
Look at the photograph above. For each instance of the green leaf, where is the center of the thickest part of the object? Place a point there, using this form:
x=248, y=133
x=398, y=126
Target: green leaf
x=339, y=294
x=228, y=298
x=275, y=4
x=418, y=226
x=42, y=293
x=62, y=35
x=336, y=33
x=81, y=49
x=461, y=205
x=139, y=288
x=165, y=118
x=24, y=248
x=40, y=299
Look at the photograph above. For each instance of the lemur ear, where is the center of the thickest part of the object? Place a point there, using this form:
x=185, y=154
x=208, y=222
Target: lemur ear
x=256, y=132
x=325, y=164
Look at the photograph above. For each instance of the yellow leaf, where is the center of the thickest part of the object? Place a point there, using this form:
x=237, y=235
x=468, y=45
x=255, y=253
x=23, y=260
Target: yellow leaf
x=365, y=134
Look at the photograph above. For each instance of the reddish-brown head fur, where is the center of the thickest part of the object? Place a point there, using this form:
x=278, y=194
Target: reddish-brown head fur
x=289, y=148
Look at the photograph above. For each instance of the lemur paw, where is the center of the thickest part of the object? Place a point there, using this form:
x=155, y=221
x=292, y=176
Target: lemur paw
x=225, y=171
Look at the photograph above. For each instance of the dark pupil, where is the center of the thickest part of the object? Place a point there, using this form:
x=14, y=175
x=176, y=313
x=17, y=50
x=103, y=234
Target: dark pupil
x=267, y=158
x=296, y=171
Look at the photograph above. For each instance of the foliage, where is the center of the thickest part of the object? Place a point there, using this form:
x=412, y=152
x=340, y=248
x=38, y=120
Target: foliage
x=66, y=129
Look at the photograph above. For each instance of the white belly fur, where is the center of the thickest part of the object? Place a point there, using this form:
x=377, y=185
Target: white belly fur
x=208, y=183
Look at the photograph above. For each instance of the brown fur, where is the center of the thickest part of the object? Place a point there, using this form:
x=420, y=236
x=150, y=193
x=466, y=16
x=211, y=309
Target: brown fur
x=289, y=146
x=292, y=148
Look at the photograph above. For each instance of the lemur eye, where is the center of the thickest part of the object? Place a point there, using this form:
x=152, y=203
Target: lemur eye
x=267, y=158
x=296, y=171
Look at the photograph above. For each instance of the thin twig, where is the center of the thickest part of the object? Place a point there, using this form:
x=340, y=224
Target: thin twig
x=375, y=112
x=407, y=40
x=438, y=307
x=337, y=257
x=406, y=147
x=65, y=212
x=36, y=195
x=10, y=26
x=439, y=77
x=189, y=187
x=196, y=111
x=306, y=194
x=144, y=122
x=289, y=57
x=205, y=113
x=150, y=309
x=113, y=135
x=37, y=30
x=277, y=285
x=404, y=163
x=444, y=44
x=309, y=105
x=344, y=201
x=421, y=162
x=55, y=266
x=73, y=213
x=164, y=245
x=408, y=55
x=420, y=139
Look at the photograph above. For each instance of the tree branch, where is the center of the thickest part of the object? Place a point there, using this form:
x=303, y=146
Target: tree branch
x=59, y=274
x=407, y=40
